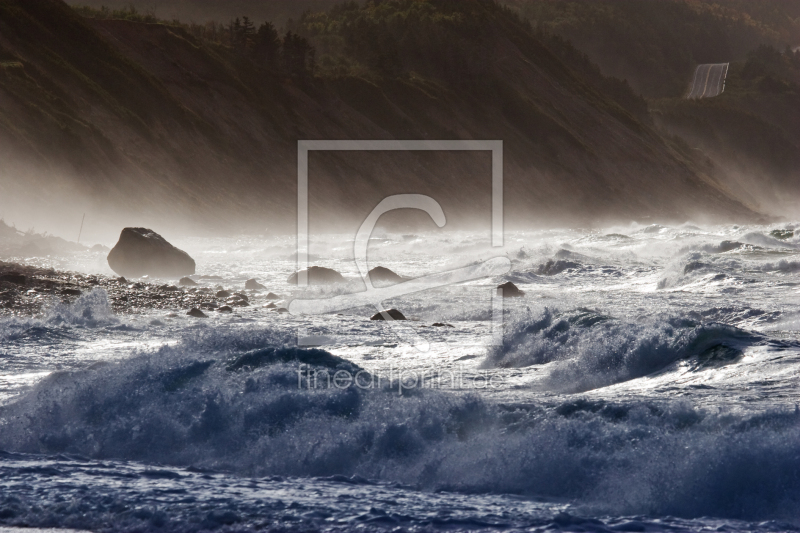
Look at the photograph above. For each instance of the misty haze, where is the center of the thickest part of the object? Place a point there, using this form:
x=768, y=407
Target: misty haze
x=399, y=265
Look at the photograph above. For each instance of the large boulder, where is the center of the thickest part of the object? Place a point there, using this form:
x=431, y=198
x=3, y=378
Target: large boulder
x=509, y=290
x=253, y=285
x=319, y=276
x=196, y=313
x=383, y=276
x=143, y=252
x=394, y=314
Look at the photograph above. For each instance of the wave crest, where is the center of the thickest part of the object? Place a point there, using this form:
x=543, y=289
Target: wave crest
x=89, y=310
x=206, y=406
x=593, y=350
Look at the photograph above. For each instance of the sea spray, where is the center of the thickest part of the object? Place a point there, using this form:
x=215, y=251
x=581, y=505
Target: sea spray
x=592, y=350
x=202, y=404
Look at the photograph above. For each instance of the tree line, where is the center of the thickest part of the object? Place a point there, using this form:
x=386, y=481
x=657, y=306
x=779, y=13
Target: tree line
x=772, y=70
x=657, y=44
x=264, y=44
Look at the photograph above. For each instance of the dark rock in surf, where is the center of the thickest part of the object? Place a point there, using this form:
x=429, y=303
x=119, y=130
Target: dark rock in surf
x=272, y=296
x=195, y=312
x=442, y=325
x=509, y=290
x=143, y=252
x=318, y=276
x=381, y=274
x=270, y=306
x=187, y=282
x=694, y=266
x=223, y=294
x=13, y=277
x=551, y=268
x=238, y=299
x=782, y=234
x=253, y=285
x=71, y=292
x=727, y=246
x=394, y=314
x=225, y=309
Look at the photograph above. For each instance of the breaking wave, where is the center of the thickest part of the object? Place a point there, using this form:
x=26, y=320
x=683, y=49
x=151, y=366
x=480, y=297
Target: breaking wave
x=234, y=401
x=593, y=350
x=90, y=310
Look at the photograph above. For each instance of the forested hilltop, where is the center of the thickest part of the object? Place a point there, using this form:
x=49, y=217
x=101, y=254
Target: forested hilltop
x=198, y=120
x=279, y=12
x=654, y=44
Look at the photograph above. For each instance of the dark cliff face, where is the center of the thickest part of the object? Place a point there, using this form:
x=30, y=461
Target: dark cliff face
x=153, y=124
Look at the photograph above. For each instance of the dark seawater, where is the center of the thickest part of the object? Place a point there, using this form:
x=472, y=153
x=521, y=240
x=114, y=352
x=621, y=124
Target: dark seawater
x=651, y=384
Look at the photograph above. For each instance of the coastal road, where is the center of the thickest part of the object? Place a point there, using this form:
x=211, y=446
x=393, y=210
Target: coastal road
x=709, y=80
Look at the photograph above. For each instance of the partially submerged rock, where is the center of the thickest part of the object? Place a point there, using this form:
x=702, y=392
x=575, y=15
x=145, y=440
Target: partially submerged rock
x=253, y=285
x=187, y=282
x=727, y=246
x=195, y=312
x=782, y=234
x=143, y=252
x=239, y=300
x=509, y=290
x=272, y=296
x=693, y=266
x=318, y=276
x=383, y=275
x=394, y=314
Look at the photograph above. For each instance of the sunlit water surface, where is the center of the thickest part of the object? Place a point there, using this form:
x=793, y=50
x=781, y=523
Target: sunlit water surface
x=647, y=380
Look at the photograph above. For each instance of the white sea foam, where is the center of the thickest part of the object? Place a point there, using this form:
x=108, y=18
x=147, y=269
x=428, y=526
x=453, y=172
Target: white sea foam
x=653, y=385
x=205, y=405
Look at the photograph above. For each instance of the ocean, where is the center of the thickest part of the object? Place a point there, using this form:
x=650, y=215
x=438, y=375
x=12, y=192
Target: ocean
x=646, y=381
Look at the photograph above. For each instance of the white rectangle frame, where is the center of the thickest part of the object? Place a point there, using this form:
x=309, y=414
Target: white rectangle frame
x=305, y=146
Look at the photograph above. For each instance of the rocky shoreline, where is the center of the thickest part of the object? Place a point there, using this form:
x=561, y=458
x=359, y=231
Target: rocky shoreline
x=27, y=291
